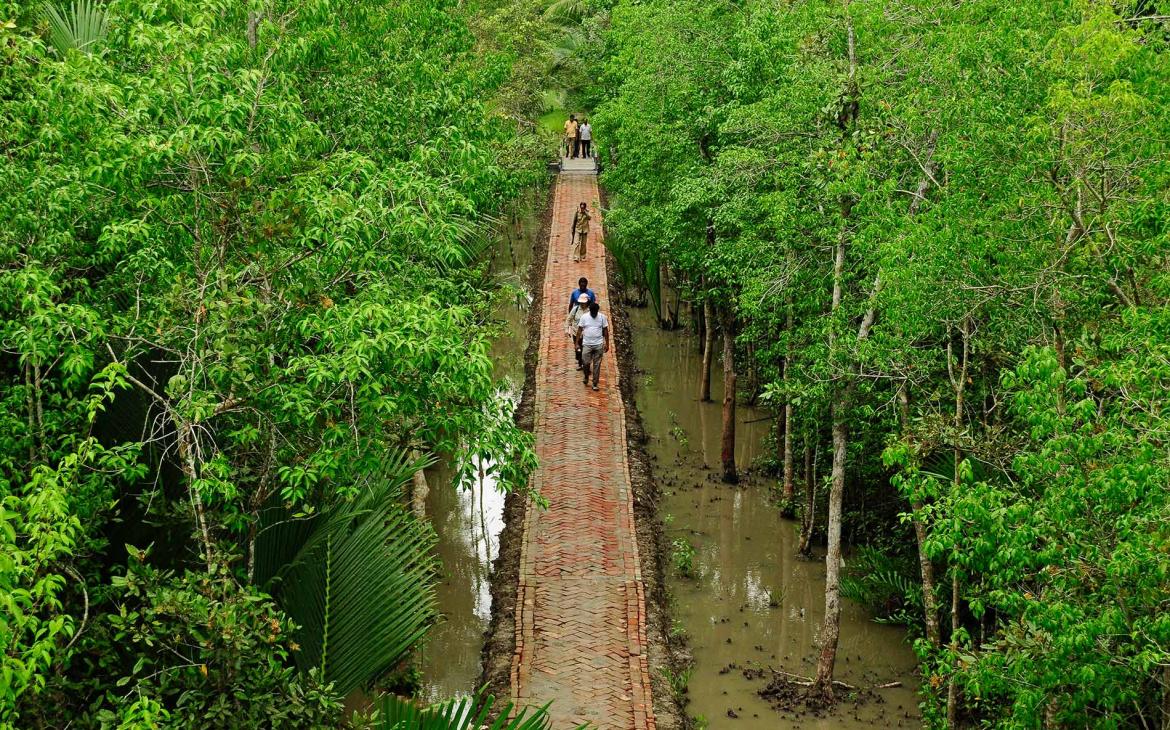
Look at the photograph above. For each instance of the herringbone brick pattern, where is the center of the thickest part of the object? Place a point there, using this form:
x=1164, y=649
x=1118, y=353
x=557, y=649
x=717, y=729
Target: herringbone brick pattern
x=581, y=608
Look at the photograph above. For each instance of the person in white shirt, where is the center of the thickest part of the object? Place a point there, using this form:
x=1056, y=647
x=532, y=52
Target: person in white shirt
x=593, y=334
x=585, y=134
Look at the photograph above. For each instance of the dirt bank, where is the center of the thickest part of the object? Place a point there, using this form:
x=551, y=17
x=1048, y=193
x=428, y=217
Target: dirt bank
x=652, y=550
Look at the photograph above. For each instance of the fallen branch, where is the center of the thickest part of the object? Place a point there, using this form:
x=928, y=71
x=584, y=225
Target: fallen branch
x=807, y=681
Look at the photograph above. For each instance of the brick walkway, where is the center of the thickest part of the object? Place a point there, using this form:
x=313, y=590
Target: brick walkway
x=580, y=609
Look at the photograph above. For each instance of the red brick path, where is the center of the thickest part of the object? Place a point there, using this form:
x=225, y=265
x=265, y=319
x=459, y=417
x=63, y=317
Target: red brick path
x=580, y=609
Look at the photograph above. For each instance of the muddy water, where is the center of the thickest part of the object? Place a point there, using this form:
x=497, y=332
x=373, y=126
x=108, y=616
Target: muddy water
x=753, y=604
x=468, y=520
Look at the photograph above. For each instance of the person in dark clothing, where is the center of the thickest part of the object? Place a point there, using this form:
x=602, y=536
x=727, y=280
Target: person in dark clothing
x=582, y=288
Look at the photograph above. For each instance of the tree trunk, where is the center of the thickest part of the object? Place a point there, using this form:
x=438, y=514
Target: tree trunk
x=789, y=485
x=30, y=401
x=925, y=565
x=958, y=378
x=708, y=352
x=1166, y=698
x=822, y=688
x=664, y=316
x=952, y=686
x=810, y=499
x=38, y=390
x=727, y=451
x=253, y=24
x=789, y=470
x=185, y=439
x=418, y=488
x=700, y=324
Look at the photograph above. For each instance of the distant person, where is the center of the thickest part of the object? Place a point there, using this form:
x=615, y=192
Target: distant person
x=593, y=333
x=582, y=288
x=585, y=134
x=573, y=320
x=580, y=232
x=570, y=134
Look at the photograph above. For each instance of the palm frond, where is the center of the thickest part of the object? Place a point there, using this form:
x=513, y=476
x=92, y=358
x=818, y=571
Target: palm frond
x=631, y=268
x=884, y=585
x=358, y=579
x=468, y=713
x=566, y=47
x=78, y=26
x=566, y=11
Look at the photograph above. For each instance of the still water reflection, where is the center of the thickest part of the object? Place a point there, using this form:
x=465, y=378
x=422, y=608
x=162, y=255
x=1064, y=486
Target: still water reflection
x=468, y=519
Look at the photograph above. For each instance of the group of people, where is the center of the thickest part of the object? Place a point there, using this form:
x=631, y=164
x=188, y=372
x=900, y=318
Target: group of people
x=578, y=138
x=589, y=329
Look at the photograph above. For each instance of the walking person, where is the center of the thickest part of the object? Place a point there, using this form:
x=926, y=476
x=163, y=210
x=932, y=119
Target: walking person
x=585, y=133
x=576, y=311
x=593, y=333
x=580, y=232
x=570, y=134
x=582, y=289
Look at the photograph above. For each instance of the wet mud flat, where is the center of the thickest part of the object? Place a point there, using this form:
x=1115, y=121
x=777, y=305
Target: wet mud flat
x=749, y=605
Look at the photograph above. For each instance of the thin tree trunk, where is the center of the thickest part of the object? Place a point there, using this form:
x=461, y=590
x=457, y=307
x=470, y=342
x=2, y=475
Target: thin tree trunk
x=789, y=485
x=253, y=24
x=700, y=322
x=1166, y=698
x=727, y=451
x=38, y=390
x=808, y=516
x=418, y=488
x=30, y=402
x=822, y=688
x=664, y=318
x=708, y=352
x=926, y=568
x=958, y=378
x=925, y=564
x=186, y=443
x=261, y=497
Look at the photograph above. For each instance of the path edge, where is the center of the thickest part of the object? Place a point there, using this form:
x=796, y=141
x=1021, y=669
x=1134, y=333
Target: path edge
x=500, y=638
x=648, y=527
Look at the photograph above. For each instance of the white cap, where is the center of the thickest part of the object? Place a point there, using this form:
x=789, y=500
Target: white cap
x=583, y=298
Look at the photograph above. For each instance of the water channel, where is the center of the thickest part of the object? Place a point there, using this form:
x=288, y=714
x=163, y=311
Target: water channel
x=468, y=520
x=753, y=603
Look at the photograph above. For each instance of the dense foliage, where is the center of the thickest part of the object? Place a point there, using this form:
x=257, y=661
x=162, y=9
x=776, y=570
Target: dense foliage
x=238, y=279
x=939, y=234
